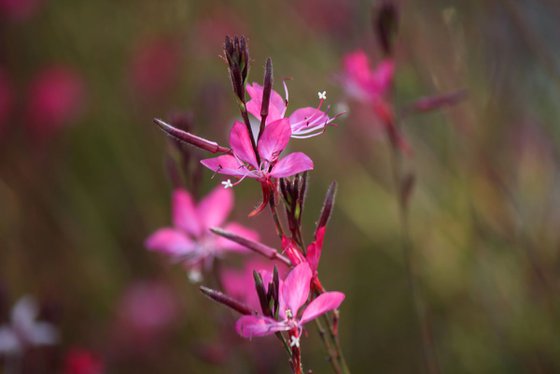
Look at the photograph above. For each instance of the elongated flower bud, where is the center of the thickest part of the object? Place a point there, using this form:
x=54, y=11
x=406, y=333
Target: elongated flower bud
x=257, y=247
x=226, y=300
x=327, y=207
x=385, y=24
x=237, y=56
x=267, y=89
x=191, y=139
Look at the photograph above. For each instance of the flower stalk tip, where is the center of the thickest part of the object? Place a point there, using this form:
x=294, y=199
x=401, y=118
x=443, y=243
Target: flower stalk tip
x=385, y=25
x=237, y=56
x=326, y=212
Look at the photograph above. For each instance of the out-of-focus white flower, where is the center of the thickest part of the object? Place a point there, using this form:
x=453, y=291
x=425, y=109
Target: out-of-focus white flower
x=24, y=330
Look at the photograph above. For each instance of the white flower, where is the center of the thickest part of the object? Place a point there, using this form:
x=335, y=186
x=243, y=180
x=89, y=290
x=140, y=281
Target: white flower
x=322, y=95
x=227, y=184
x=24, y=330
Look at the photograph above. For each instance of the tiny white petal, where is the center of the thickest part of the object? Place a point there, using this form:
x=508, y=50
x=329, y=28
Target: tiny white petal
x=227, y=184
x=9, y=342
x=322, y=95
x=294, y=341
x=195, y=276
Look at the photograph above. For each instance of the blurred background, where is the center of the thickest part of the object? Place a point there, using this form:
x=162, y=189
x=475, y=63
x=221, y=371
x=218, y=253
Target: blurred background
x=83, y=181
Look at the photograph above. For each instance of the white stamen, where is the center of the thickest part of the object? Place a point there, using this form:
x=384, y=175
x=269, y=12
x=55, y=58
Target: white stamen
x=227, y=184
x=195, y=276
x=322, y=95
x=294, y=341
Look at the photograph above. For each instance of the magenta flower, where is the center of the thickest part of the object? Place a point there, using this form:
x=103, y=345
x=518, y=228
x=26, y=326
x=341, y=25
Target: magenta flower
x=361, y=82
x=190, y=240
x=243, y=162
x=56, y=98
x=305, y=122
x=294, y=291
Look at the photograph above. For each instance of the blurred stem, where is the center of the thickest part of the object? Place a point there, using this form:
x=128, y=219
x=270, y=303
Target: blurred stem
x=328, y=346
x=276, y=217
x=285, y=344
x=428, y=349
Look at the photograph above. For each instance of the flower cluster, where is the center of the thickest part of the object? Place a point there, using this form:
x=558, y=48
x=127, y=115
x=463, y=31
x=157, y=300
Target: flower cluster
x=271, y=303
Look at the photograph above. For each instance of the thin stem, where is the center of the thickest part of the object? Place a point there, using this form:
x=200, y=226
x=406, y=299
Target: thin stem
x=284, y=344
x=276, y=217
x=428, y=350
x=328, y=347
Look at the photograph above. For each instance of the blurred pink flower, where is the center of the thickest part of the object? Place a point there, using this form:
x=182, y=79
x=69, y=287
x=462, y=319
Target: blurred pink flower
x=24, y=331
x=19, y=10
x=240, y=284
x=371, y=87
x=5, y=98
x=305, y=122
x=155, y=69
x=147, y=309
x=361, y=82
x=243, y=162
x=294, y=291
x=82, y=361
x=56, y=97
x=190, y=240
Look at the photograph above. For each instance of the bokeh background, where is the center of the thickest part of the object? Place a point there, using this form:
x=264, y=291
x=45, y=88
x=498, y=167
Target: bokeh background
x=83, y=181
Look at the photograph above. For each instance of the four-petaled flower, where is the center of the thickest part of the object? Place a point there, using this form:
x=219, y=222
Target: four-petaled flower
x=243, y=162
x=24, y=331
x=190, y=240
x=294, y=291
x=305, y=122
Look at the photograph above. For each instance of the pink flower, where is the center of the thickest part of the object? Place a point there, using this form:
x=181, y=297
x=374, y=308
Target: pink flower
x=190, y=240
x=55, y=99
x=243, y=162
x=25, y=331
x=364, y=84
x=305, y=122
x=294, y=291
x=371, y=87
x=82, y=361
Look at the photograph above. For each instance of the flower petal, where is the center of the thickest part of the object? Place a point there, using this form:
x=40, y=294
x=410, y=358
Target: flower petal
x=315, y=248
x=184, y=213
x=274, y=139
x=276, y=108
x=383, y=75
x=9, y=342
x=249, y=326
x=237, y=229
x=170, y=241
x=292, y=164
x=24, y=313
x=295, y=288
x=240, y=142
x=215, y=207
x=308, y=118
x=322, y=304
x=43, y=334
x=228, y=165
